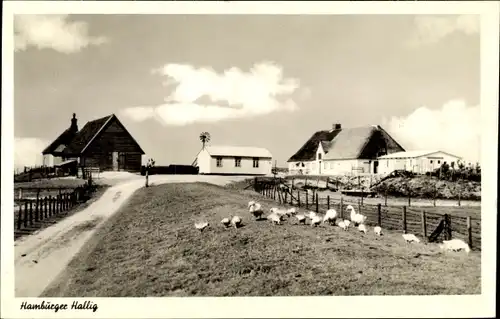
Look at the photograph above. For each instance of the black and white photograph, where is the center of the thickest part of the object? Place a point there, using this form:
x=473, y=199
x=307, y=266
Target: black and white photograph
x=150, y=152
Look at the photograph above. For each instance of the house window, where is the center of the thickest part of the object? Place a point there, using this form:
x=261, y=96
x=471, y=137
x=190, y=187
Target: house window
x=237, y=162
x=431, y=161
x=255, y=162
x=219, y=161
x=439, y=162
x=319, y=156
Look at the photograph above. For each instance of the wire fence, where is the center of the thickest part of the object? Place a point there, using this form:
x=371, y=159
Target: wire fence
x=457, y=221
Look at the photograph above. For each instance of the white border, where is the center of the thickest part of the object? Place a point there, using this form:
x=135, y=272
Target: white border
x=304, y=307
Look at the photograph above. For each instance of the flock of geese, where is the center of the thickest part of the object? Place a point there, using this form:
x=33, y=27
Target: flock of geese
x=277, y=215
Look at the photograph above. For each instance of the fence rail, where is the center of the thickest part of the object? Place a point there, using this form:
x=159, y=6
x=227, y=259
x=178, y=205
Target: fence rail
x=408, y=219
x=362, y=189
x=33, y=211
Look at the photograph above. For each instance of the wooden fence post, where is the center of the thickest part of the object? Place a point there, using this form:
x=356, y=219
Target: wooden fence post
x=341, y=206
x=31, y=213
x=59, y=203
x=385, y=199
x=25, y=214
x=45, y=207
x=40, y=209
x=459, y=204
x=298, y=197
x=317, y=204
x=291, y=192
x=328, y=202
x=409, y=199
x=424, y=224
x=379, y=214
x=19, y=214
x=37, y=209
x=448, y=226
x=469, y=232
x=435, y=194
x=362, y=197
x=404, y=219
x=20, y=193
x=359, y=206
x=49, y=204
x=307, y=200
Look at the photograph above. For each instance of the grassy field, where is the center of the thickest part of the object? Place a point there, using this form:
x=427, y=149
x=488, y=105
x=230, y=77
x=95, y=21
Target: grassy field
x=151, y=248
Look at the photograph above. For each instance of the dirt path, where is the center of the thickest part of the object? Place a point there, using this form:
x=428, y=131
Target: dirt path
x=40, y=257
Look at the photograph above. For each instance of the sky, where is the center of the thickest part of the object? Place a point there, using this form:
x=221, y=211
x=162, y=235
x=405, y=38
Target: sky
x=248, y=80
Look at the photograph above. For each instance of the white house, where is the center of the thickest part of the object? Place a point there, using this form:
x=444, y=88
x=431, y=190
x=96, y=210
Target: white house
x=234, y=160
x=419, y=161
x=343, y=151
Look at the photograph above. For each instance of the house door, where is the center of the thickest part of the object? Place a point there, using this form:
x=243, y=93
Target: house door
x=115, y=161
x=375, y=167
x=121, y=162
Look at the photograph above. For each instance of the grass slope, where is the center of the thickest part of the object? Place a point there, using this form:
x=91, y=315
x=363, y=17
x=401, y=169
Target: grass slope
x=151, y=248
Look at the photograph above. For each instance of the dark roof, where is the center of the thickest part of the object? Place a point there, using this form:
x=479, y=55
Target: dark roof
x=86, y=134
x=345, y=143
x=308, y=151
x=64, y=139
x=90, y=131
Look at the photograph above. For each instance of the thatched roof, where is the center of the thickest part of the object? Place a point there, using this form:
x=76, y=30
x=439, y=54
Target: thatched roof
x=348, y=143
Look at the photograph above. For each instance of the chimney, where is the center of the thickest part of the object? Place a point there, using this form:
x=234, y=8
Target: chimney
x=337, y=126
x=74, y=126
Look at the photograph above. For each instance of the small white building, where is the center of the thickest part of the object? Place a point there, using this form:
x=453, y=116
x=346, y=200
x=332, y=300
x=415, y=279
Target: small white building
x=419, y=161
x=234, y=160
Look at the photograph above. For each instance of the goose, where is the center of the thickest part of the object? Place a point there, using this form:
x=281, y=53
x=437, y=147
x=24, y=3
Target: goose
x=409, y=238
x=362, y=228
x=226, y=222
x=236, y=221
x=201, y=226
x=301, y=218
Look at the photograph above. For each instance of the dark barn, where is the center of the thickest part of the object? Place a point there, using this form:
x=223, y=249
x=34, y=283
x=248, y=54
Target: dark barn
x=103, y=143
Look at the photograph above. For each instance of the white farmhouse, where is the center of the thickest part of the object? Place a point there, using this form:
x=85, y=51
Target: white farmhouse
x=420, y=161
x=343, y=151
x=234, y=160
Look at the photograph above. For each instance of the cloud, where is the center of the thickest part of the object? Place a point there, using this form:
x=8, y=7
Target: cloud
x=28, y=151
x=431, y=29
x=229, y=95
x=455, y=128
x=52, y=32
